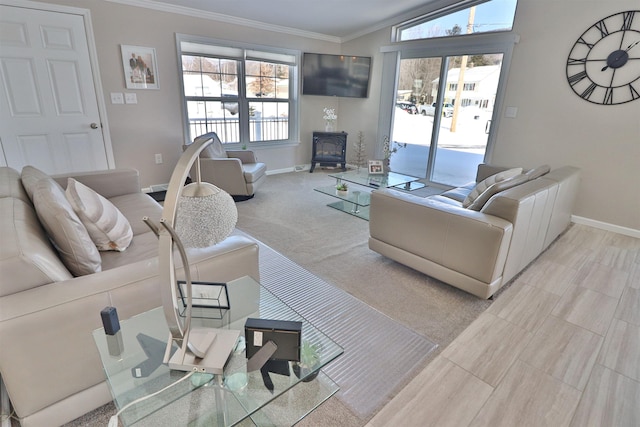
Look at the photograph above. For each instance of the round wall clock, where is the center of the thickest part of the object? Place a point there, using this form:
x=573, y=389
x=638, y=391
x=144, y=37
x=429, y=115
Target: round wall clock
x=604, y=64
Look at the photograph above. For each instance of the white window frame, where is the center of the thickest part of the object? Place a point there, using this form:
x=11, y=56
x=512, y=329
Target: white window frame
x=242, y=52
x=447, y=8
x=471, y=44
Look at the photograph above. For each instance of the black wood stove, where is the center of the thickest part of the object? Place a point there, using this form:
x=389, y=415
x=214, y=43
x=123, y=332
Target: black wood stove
x=329, y=149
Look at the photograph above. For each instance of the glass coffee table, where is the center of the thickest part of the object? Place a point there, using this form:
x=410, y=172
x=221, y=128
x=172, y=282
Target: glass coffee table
x=278, y=394
x=357, y=200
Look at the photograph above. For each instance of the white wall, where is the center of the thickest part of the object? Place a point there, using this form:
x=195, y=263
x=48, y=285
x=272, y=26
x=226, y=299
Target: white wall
x=553, y=125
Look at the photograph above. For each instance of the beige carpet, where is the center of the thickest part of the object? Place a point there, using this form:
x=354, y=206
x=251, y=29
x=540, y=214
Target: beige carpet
x=290, y=217
x=287, y=215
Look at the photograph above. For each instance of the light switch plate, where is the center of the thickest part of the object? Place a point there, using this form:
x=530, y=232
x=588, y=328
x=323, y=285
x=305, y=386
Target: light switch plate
x=130, y=98
x=117, y=98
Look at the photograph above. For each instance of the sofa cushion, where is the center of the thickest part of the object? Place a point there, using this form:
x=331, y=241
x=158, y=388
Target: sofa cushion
x=486, y=183
x=460, y=193
x=136, y=206
x=493, y=189
x=27, y=259
x=107, y=227
x=30, y=177
x=253, y=171
x=446, y=200
x=66, y=231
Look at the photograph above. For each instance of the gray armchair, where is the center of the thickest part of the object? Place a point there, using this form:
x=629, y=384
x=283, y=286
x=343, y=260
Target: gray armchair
x=235, y=171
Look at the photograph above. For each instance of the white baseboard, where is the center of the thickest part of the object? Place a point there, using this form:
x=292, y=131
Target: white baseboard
x=279, y=171
x=305, y=168
x=606, y=226
x=155, y=187
x=574, y=218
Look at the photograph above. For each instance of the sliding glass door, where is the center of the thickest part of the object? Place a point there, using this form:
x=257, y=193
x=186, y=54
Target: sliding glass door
x=445, y=137
x=447, y=69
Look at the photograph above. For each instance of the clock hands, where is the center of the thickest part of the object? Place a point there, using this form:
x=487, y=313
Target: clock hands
x=621, y=56
x=632, y=45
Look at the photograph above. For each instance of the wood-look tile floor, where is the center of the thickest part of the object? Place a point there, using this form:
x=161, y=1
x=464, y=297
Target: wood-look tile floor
x=559, y=347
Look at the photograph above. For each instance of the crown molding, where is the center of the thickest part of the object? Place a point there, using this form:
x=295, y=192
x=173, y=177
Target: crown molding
x=196, y=13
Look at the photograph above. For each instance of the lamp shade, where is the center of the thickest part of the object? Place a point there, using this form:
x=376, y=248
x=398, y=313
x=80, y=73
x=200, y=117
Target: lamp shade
x=206, y=215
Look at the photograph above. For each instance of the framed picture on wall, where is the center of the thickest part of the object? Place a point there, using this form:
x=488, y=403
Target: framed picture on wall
x=375, y=167
x=140, y=67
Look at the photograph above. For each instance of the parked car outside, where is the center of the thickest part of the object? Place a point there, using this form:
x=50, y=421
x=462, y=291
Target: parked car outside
x=409, y=107
x=430, y=110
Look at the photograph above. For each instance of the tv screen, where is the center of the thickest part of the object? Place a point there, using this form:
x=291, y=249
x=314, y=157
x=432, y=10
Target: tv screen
x=335, y=75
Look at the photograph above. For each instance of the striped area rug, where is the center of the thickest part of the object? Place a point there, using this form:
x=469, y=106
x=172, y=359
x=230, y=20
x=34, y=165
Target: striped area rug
x=379, y=353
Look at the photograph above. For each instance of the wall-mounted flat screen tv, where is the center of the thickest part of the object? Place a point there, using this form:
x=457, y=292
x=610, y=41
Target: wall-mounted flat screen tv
x=335, y=75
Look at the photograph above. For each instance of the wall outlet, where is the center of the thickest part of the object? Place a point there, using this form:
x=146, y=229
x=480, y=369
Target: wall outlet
x=158, y=158
x=511, y=112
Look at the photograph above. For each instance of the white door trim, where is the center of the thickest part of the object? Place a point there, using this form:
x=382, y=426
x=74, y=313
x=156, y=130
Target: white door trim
x=93, y=59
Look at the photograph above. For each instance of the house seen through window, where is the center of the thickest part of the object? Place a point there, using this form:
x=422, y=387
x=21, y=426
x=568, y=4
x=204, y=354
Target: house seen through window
x=454, y=78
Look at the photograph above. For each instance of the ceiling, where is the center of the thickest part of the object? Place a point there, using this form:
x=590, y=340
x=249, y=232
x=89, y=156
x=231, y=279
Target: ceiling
x=334, y=19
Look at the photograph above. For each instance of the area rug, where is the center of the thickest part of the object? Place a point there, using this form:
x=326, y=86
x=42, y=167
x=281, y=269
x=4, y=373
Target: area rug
x=379, y=353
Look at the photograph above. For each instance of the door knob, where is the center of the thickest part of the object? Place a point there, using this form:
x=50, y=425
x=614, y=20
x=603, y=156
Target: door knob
x=94, y=126
x=487, y=127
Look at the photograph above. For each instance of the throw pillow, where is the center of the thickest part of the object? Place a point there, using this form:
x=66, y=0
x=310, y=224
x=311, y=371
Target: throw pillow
x=537, y=172
x=483, y=198
x=108, y=228
x=215, y=150
x=486, y=183
x=65, y=230
x=30, y=177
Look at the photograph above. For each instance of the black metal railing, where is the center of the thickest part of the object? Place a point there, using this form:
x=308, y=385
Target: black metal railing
x=228, y=130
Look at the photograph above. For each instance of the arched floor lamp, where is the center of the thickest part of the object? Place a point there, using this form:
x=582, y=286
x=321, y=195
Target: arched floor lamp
x=194, y=216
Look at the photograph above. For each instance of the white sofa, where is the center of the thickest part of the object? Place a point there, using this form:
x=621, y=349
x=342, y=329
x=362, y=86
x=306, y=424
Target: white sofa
x=481, y=248
x=48, y=359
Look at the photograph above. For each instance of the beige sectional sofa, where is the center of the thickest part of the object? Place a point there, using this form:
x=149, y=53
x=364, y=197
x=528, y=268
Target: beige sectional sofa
x=48, y=360
x=481, y=247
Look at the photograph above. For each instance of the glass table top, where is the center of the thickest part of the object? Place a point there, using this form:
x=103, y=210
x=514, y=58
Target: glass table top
x=132, y=360
x=389, y=179
x=354, y=202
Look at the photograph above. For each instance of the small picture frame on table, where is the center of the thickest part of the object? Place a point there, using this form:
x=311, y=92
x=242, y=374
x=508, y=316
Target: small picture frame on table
x=140, y=67
x=208, y=299
x=375, y=167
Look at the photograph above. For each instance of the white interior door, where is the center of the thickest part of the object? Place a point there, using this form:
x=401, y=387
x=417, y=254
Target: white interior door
x=48, y=104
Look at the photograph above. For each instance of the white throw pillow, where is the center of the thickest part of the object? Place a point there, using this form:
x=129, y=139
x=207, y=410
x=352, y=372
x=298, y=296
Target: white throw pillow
x=483, y=185
x=107, y=226
x=496, y=188
x=65, y=230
